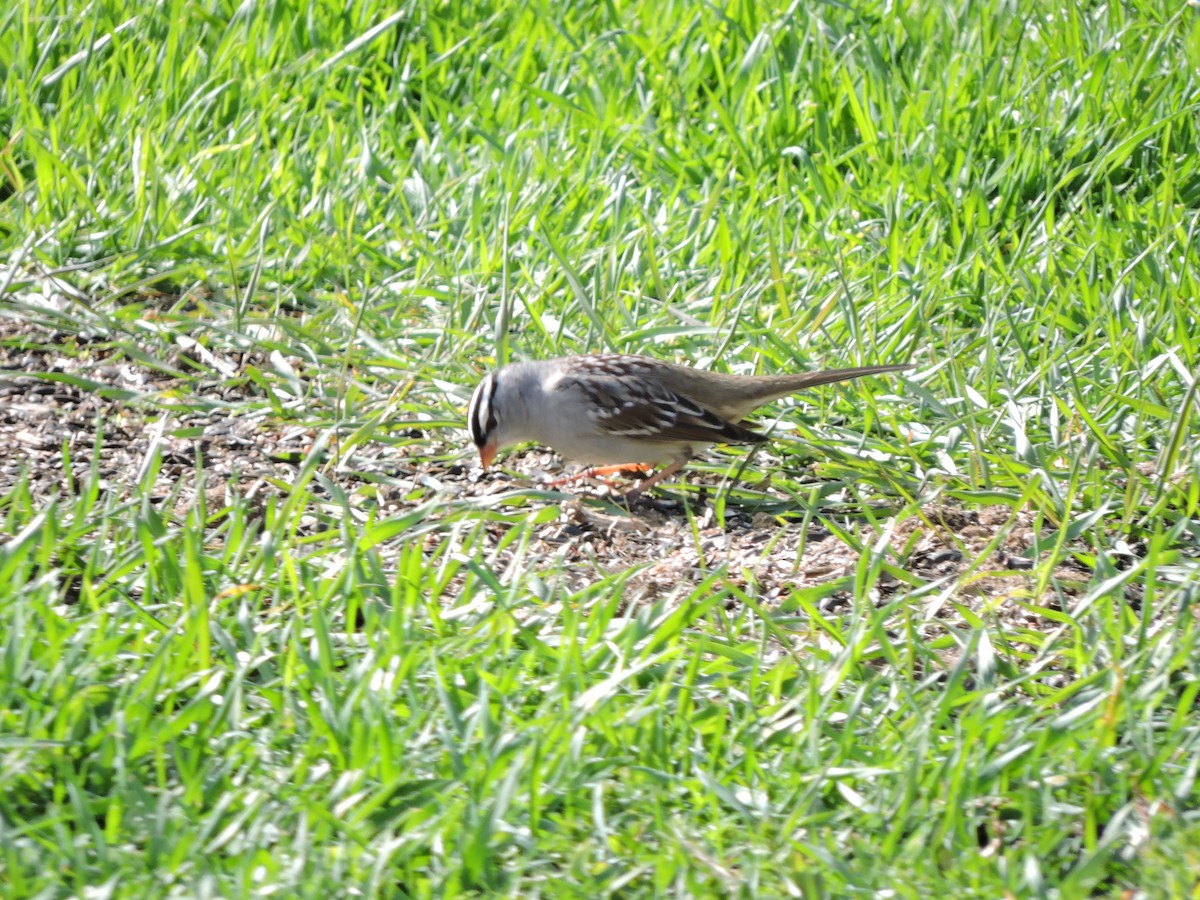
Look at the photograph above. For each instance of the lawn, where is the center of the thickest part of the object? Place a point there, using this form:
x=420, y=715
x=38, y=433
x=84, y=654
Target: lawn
x=267, y=628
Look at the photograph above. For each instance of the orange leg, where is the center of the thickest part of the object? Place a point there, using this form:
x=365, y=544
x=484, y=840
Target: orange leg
x=600, y=472
x=638, y=489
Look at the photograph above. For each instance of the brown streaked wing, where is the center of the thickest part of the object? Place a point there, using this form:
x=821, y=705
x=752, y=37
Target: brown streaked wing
x=637, y=407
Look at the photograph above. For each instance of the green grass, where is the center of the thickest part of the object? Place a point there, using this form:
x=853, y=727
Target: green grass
x=318, y=673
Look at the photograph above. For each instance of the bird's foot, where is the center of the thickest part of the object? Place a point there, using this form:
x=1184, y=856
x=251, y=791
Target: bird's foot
x=599, y=473
x=645, y=484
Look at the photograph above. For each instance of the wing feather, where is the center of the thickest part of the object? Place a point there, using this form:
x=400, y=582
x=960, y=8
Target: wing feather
x=625, y=403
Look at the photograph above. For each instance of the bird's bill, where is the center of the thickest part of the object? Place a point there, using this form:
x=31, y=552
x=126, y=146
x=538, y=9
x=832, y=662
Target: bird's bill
x=487, y=455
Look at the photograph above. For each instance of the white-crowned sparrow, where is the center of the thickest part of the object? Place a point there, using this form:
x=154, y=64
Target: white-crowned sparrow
x=629, y=410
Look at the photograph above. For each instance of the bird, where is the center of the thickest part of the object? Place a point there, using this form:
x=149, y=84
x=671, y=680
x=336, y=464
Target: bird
x=623, y=411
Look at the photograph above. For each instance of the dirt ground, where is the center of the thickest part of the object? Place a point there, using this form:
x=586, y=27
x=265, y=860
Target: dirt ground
x=68, y=405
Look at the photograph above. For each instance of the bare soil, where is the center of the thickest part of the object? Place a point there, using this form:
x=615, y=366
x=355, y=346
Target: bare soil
x=69, y=406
